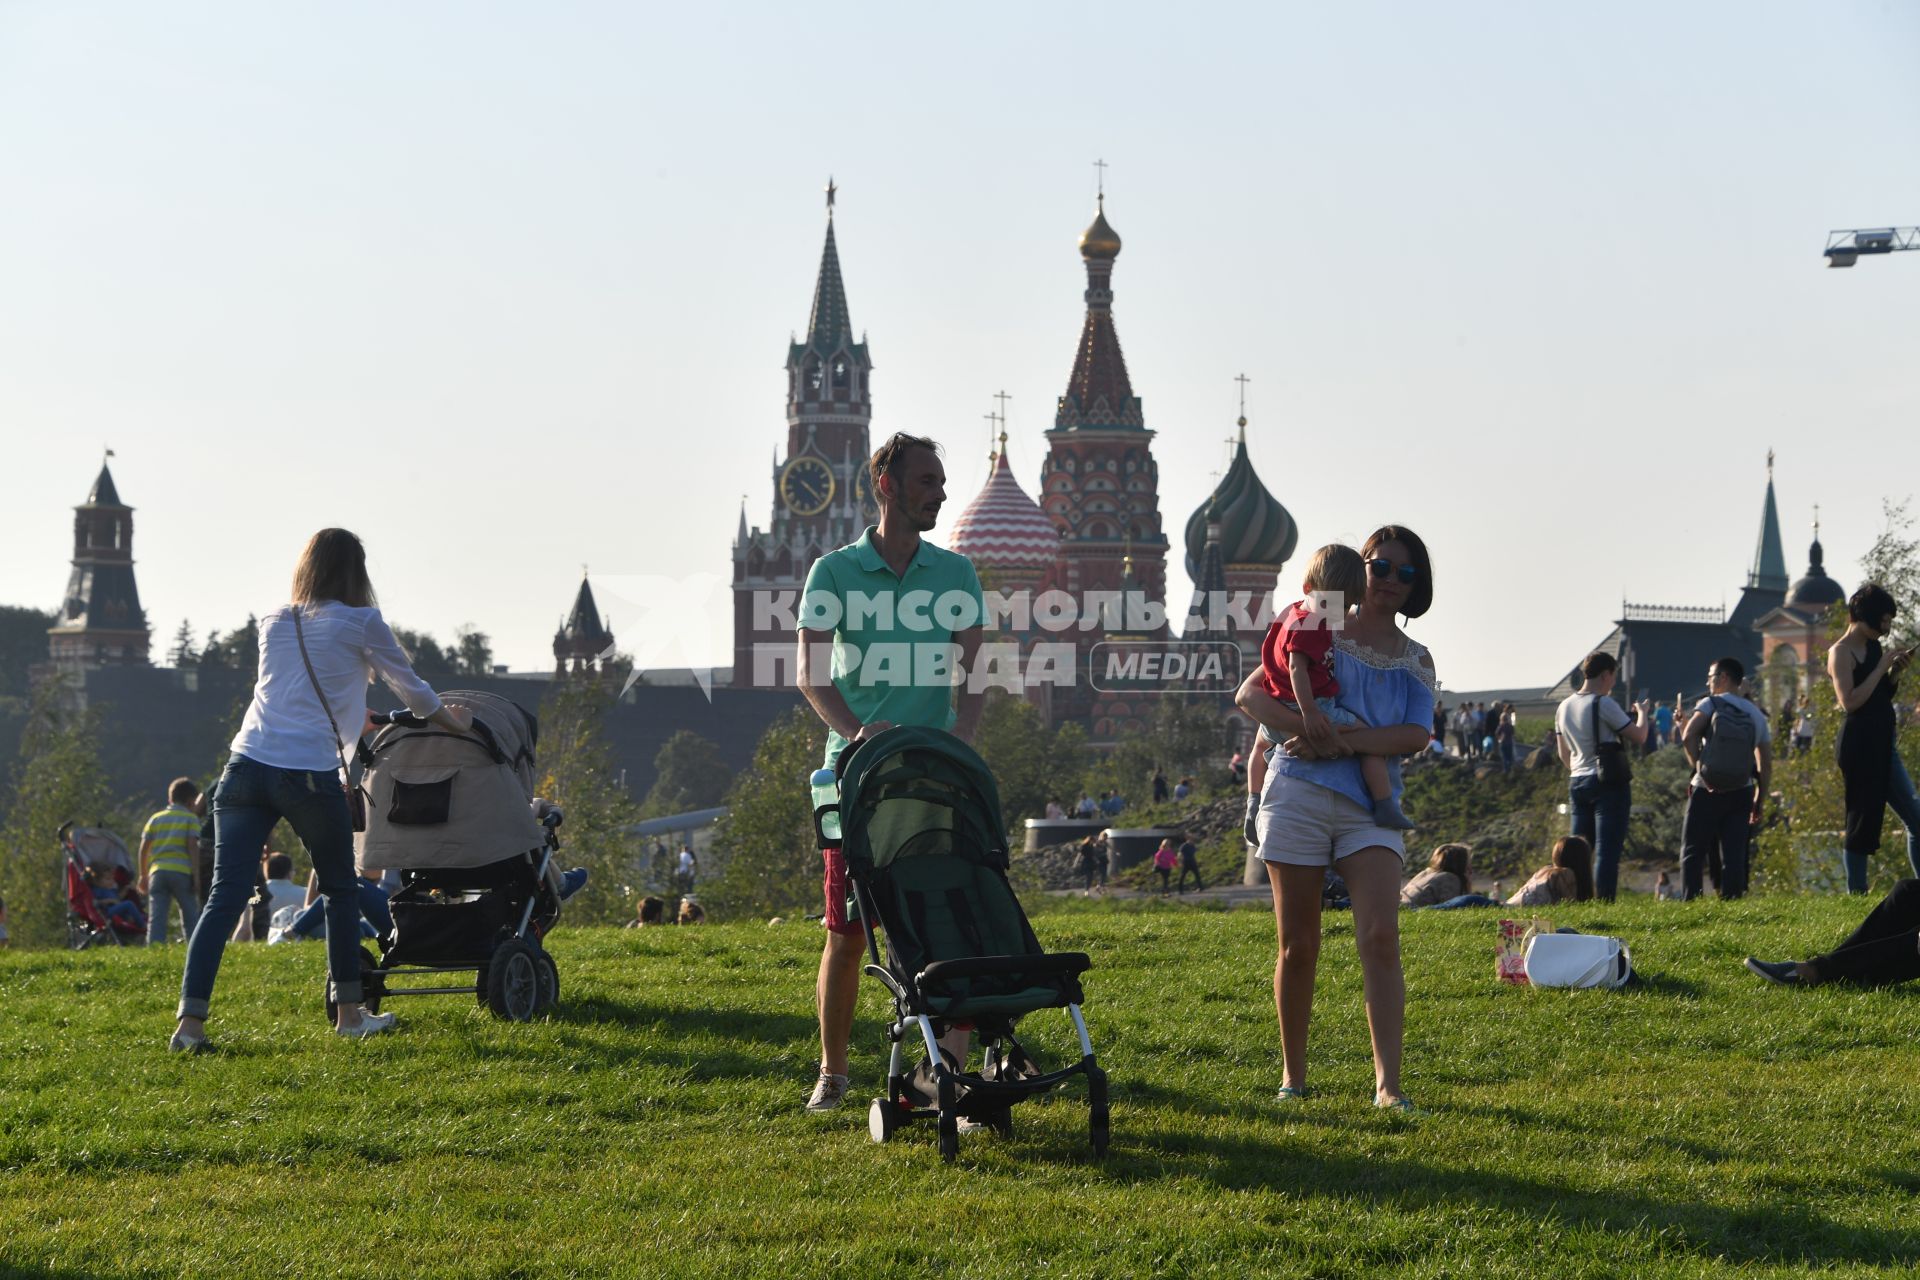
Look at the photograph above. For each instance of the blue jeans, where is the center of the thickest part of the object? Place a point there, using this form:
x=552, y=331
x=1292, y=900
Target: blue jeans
x=370, y=899
x=1600, y=815
x=250, y=799
x=163, y=889
x=1906, y=806
x=1465, y=900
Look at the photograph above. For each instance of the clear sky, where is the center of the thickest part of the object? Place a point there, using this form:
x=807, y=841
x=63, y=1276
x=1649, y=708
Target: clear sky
x=506, y=288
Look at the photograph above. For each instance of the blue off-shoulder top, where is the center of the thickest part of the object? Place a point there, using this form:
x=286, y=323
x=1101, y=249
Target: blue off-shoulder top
x=1382, y=691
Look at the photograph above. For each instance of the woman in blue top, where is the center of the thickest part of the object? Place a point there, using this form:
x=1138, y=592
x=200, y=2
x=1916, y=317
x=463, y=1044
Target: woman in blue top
x=1315, y=812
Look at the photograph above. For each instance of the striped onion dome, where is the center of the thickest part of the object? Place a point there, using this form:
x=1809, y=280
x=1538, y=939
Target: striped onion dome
x=1002, y=527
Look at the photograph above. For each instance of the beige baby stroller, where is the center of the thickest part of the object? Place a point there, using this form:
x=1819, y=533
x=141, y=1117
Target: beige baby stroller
x=455, y=815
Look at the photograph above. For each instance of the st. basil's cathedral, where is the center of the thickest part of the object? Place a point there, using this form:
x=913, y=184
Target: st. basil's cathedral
x=1096, y=529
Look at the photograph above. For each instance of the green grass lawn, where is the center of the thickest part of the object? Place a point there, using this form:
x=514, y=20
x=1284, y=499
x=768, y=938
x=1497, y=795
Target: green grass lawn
x=1698, y=1123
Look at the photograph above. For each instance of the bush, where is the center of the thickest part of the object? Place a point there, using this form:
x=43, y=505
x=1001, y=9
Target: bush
x=57, y=778
x=770, y=858
x=579, y=775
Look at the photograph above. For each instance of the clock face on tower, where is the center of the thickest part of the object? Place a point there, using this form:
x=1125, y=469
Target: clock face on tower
x=806, y=486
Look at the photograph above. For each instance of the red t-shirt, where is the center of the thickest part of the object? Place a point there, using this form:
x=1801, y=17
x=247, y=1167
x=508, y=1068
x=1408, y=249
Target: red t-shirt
x=1298, y=631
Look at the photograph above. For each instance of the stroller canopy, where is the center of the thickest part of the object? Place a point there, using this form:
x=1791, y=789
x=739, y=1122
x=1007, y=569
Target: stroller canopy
x=442, y=799
x=99, y=847
x=913, y=791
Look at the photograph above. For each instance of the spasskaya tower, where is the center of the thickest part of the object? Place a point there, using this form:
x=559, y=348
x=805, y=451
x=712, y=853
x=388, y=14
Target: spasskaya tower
x=820, y=491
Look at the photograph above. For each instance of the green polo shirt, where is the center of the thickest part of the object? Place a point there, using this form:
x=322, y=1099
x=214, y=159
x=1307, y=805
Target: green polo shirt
x=892, y=636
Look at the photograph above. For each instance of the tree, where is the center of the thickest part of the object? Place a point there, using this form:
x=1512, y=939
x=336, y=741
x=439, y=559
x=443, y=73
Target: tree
x=472, y=651
x=577, y=773
x=182, y=652
x=1031, y=763
x=428, y=658
x=237, y=651
x=771, y=857
x=57, y=778
x=1187, y=737
x=688, y=774
x=1893, y=561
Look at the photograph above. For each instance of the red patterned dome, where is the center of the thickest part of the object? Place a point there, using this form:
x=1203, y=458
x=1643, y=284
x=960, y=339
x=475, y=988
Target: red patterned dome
x=1002, y=528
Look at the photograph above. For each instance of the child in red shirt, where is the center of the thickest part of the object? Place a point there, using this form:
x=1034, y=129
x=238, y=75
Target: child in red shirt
x=1296, y=664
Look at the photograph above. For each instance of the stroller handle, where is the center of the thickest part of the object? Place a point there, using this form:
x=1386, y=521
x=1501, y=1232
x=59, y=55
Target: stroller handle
x=405, y=719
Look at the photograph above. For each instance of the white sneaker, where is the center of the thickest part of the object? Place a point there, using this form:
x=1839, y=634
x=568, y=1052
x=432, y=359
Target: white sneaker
x=371, y=1024
x=828, y=1092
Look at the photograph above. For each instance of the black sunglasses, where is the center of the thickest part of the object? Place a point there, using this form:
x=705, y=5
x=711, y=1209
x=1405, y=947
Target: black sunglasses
x=1383, y=569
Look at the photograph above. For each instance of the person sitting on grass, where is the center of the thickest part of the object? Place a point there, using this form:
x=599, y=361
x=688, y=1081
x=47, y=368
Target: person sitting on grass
x=376, y=917
x=1885, y=949
x=1296, y=659
x=1449, y=874
x=1572, y=855
x=691, y=912
x=650, y=913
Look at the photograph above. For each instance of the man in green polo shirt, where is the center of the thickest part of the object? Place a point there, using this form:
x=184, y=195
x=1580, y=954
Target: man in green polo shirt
x=170, y=862
x=888, y=627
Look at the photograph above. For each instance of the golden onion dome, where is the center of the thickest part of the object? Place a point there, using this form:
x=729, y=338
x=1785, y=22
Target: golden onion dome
x=1100, y=240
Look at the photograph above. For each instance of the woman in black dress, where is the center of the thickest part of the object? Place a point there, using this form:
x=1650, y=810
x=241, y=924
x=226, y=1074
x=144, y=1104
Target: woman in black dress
x=1864, y=681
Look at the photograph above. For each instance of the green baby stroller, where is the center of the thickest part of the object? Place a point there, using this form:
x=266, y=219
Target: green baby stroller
x=919, y=819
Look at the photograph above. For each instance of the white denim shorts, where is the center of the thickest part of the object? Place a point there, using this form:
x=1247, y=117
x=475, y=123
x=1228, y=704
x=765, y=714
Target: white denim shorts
x=1309, y=825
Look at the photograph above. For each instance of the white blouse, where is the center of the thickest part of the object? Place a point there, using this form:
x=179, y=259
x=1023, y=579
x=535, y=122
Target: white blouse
x=286, y=727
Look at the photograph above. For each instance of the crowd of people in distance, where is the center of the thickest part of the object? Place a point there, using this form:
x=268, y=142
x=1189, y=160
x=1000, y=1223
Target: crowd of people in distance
x=1478, y=731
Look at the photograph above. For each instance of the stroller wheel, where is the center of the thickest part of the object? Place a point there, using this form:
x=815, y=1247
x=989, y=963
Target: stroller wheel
x=1001, y=1122
x=513, y=981
x=883, y=1117
x=548, y=974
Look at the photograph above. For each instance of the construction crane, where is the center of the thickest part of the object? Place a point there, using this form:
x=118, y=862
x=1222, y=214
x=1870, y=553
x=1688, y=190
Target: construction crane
x=1844, y=248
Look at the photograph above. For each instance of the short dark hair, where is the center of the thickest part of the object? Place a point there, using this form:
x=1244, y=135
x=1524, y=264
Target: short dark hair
x=1732, y=668
x=1871, y=603
x=1598, y=664
x=182, y=791
x=886, y=459
x=1420, y=598
x=279, y=866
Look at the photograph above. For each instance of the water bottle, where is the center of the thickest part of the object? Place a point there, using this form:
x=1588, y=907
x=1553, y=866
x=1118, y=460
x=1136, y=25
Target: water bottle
x=826, y=791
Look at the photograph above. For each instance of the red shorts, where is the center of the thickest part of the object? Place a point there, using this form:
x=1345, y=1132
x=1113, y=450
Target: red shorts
x=842, y=916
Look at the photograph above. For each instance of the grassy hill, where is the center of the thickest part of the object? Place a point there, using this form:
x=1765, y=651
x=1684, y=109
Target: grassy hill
x=1699, y=1123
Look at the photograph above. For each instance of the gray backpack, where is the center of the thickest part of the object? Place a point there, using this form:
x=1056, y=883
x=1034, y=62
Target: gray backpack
x=1726, y=758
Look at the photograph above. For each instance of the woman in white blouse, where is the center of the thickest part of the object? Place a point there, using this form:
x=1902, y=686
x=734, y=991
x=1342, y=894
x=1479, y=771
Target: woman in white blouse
x=286, y=763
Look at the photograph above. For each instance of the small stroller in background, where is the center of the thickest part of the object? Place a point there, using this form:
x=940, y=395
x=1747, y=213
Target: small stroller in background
x=453, y=814
x=927, y=856
x=85, y=848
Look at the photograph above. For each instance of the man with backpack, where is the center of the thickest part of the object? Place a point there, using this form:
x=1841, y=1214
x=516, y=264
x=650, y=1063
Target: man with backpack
x=1730, y=745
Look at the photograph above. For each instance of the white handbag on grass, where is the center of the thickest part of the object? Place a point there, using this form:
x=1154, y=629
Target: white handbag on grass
x=1578, y=960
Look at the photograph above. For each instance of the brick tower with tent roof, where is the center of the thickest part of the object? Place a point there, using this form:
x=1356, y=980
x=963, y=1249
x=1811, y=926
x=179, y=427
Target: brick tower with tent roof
x=101, y=623
x=583, y=646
